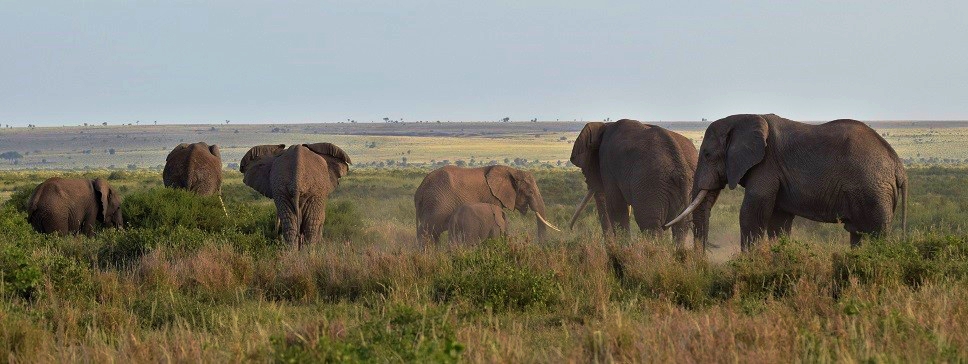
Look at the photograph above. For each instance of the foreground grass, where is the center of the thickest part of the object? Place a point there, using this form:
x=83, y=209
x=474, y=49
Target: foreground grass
x=212, y=288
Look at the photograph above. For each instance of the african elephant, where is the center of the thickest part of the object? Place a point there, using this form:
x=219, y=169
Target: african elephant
x=445, y=189
x=474, y=222
x=195, y=167
x=628, y=163
x=841, y=171
x=73, y=205
x=299, y=179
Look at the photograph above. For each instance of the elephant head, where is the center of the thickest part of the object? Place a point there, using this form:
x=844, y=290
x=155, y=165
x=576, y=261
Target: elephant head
x=258, y=152
x=584, y=155
x=730, y=148
x=109, y=204
x=517, y=189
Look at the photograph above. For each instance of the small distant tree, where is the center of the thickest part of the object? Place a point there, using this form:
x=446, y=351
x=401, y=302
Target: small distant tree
x=507, y=161
x=111, y=151
x=11, y=155
x=104, y=123
x=460, y=163
x=506, y=119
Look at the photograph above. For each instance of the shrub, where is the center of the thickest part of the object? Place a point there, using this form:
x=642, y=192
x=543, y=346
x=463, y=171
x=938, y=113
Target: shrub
x=491, y=277
x=773, y=270
x=883, y=262
x=18, y=199
x=19, y=273
x=343, y=222
x=168, y=207
x=681, y=277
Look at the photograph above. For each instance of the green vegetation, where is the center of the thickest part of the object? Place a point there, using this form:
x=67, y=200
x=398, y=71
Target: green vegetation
x=187, y=281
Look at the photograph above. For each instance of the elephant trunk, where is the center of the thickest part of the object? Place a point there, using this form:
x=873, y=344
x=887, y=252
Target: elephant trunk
x=537, y=204
x=700, y=220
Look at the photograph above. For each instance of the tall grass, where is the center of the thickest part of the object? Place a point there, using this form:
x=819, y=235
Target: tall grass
x=201, y=285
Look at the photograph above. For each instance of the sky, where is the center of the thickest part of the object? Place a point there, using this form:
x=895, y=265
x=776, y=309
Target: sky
x=70, y=62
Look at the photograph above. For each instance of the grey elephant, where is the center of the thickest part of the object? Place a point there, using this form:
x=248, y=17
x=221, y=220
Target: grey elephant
x=299, y=179
x=837, y=172
x=444, y=190
x=69, y=206
x=195, y=167
x=630, y=164
x=474, y=222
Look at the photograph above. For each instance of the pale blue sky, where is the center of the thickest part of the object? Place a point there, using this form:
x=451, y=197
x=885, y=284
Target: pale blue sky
x=68, y=62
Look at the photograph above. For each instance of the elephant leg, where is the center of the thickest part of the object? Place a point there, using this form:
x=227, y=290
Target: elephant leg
x=286, y=213
x=781, y=223
x=618, y=211
x=313, y=215
x=601, y=207
x=754, y=216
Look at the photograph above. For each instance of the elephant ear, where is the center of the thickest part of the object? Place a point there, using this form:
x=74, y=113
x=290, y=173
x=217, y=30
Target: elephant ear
x=500, y=180
x=258, y=152
x=102, y=192
x=747, y=146
x=214, y=150
x=586, y=146
x=328, y=149
x=257, y=175
x=174, y=152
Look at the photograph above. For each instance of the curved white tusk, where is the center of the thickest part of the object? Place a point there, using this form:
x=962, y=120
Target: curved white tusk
x=699, y=198
x=581, y=206
x=546, y=222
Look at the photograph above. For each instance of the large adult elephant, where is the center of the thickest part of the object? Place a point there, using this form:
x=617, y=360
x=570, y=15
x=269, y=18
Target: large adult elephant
x=447, y=188
x=299, y=179
x=195, y=167
x=841, y=171
x=628, y=163
x=69, y=206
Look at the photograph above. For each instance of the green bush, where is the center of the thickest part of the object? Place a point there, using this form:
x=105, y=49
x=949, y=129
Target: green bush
x=18, y=199
x=774, y=271
x=166, y=208
x=402, y=333
x=491, y=277
x=19, y=273
x=683, y=278
x=343, y=222
x=882, y=262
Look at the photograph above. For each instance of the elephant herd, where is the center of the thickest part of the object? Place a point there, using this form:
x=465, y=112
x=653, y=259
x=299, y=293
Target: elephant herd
x=837, y=172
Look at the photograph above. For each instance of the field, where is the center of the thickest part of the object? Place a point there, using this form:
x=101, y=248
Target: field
x=186, y=283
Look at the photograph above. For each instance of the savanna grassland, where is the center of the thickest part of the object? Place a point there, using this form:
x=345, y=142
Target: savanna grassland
x=185, y=282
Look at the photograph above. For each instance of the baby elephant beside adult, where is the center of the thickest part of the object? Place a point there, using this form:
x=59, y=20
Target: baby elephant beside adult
x=628, y=163
x=841, y=171
x=299, y=179
x=69, y=206
x=447, y=188
x=195, y=167
x=472, y=223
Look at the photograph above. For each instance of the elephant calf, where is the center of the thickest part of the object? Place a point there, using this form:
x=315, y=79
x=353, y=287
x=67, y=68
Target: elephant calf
x=74, y=205
x=472, y=223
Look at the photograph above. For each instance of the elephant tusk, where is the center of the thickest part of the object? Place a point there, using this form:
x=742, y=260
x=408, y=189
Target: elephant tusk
x=581, y=206
x=555, y=228
x=699, y=198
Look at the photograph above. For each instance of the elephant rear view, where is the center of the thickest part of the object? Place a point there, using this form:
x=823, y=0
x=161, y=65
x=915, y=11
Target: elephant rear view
x=630, y=164
x=195, y=167
x=299, y=179
x=472, y=223
x=446, y=189
x=67, y=206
